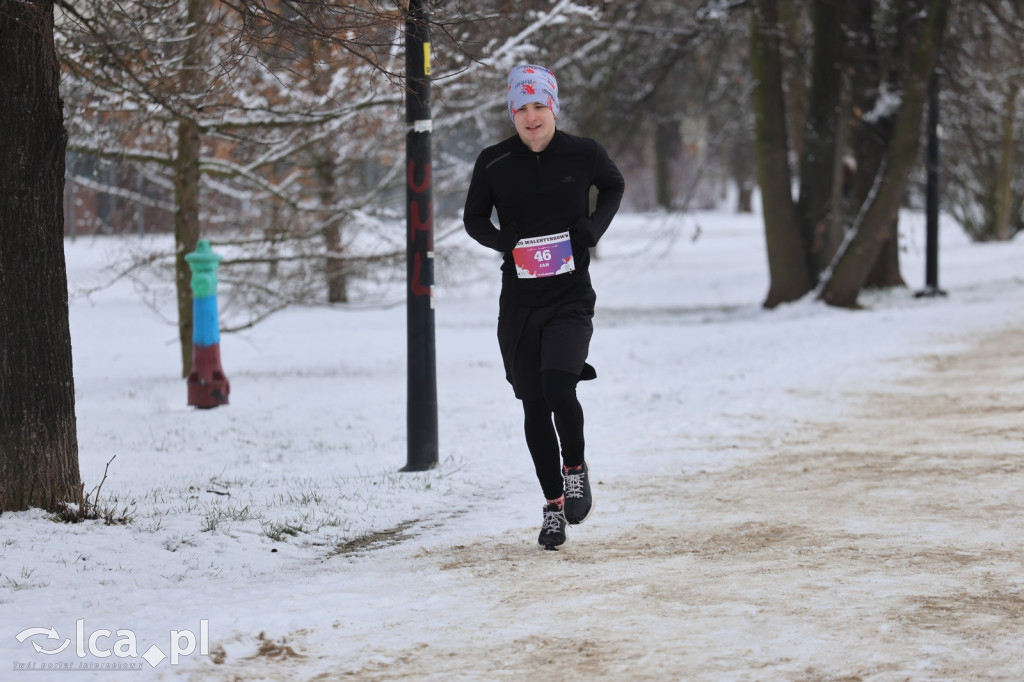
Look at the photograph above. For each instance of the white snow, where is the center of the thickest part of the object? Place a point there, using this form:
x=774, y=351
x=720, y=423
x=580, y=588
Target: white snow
x=240, y=514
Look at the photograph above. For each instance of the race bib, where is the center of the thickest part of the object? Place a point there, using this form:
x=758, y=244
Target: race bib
x=543, y=256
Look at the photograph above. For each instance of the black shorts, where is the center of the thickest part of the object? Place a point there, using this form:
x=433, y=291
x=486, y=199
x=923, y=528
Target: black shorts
x=552, y=337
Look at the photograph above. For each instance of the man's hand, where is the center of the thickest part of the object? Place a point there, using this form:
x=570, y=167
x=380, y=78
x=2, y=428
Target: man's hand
x=582, y=232
x=508, y=237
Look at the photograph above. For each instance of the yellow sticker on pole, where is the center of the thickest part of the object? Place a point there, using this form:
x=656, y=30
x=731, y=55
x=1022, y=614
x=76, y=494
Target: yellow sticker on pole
x=426, y=59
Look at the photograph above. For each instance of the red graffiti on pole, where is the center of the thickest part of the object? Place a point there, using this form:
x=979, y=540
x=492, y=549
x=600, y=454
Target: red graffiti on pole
x=417, y=288
x=418, y=224
x=413, y=185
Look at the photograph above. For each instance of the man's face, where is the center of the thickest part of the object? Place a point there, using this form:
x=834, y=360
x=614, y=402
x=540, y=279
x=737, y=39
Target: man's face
x=535, y=123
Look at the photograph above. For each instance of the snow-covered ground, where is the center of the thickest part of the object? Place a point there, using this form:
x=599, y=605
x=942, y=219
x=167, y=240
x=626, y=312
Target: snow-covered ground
x=805, y=493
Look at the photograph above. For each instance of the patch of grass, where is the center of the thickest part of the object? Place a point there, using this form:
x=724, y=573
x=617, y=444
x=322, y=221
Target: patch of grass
x=23, y=583
x=279, y=532
x=219, y=515
x=92, y=508
x=174, y=544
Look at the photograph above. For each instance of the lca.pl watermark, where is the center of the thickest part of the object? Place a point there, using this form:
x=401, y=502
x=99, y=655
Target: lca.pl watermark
x=98, y=645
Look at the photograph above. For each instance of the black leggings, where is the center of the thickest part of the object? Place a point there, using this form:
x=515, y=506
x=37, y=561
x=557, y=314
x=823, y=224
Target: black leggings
x=543, y=435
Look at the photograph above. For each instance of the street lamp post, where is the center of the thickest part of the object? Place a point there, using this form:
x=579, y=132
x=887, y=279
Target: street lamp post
x=422, y=373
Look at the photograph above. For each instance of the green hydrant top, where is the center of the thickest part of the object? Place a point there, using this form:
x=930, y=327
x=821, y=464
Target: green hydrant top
x=203, y=262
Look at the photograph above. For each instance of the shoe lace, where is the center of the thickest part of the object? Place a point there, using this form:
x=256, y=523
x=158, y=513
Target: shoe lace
x=552, y=521
x=574, y=485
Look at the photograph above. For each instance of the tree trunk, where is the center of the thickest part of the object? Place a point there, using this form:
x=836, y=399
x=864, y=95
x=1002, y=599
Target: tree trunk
x=742, y=169
x=325, y=171
x=823, y=139
x=885, y=273
x=336, y=272
x=667, y=148
x=870, y=139
x=186, y=191
x=186, y=230
x=883, y=200
x=38, y=440
x=790, y=15
x=787, y=266
x=1004, y=181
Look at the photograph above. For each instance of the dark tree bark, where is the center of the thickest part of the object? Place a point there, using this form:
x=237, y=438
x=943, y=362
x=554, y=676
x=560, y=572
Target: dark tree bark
x=38, y=441
x=1003, y=199
x=793, y=37
x=742, y=169
x=186, y=230
x=823, y=139
x=888, y=185
x=870, y=140
x=885, y=272
x=787, y=265
x=667, y=147
x=186, y=189
x=852, y=47
x=335, y=268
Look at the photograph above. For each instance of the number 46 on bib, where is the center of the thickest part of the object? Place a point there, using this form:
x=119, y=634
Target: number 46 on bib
x=543, y=256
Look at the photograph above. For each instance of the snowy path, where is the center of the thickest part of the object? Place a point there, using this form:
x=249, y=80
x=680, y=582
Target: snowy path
x=886, y=544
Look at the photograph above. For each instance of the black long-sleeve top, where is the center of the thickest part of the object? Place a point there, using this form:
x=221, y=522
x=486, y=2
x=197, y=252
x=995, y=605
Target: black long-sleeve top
x=538, y=194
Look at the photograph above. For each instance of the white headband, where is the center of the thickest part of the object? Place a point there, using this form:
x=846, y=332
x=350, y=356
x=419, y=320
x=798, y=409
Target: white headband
x=531, y=83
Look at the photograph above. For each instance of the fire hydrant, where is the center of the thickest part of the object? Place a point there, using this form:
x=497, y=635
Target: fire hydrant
x=207, y=385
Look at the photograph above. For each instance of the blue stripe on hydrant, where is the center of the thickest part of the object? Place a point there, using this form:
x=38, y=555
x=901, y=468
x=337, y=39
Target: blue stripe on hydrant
x=206, y=328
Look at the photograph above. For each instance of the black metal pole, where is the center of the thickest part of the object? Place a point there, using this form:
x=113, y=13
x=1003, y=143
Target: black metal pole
x=421, y=419
x=931, y=268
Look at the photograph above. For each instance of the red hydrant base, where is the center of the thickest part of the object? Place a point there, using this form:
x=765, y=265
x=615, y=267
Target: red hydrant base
x=207, y=385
